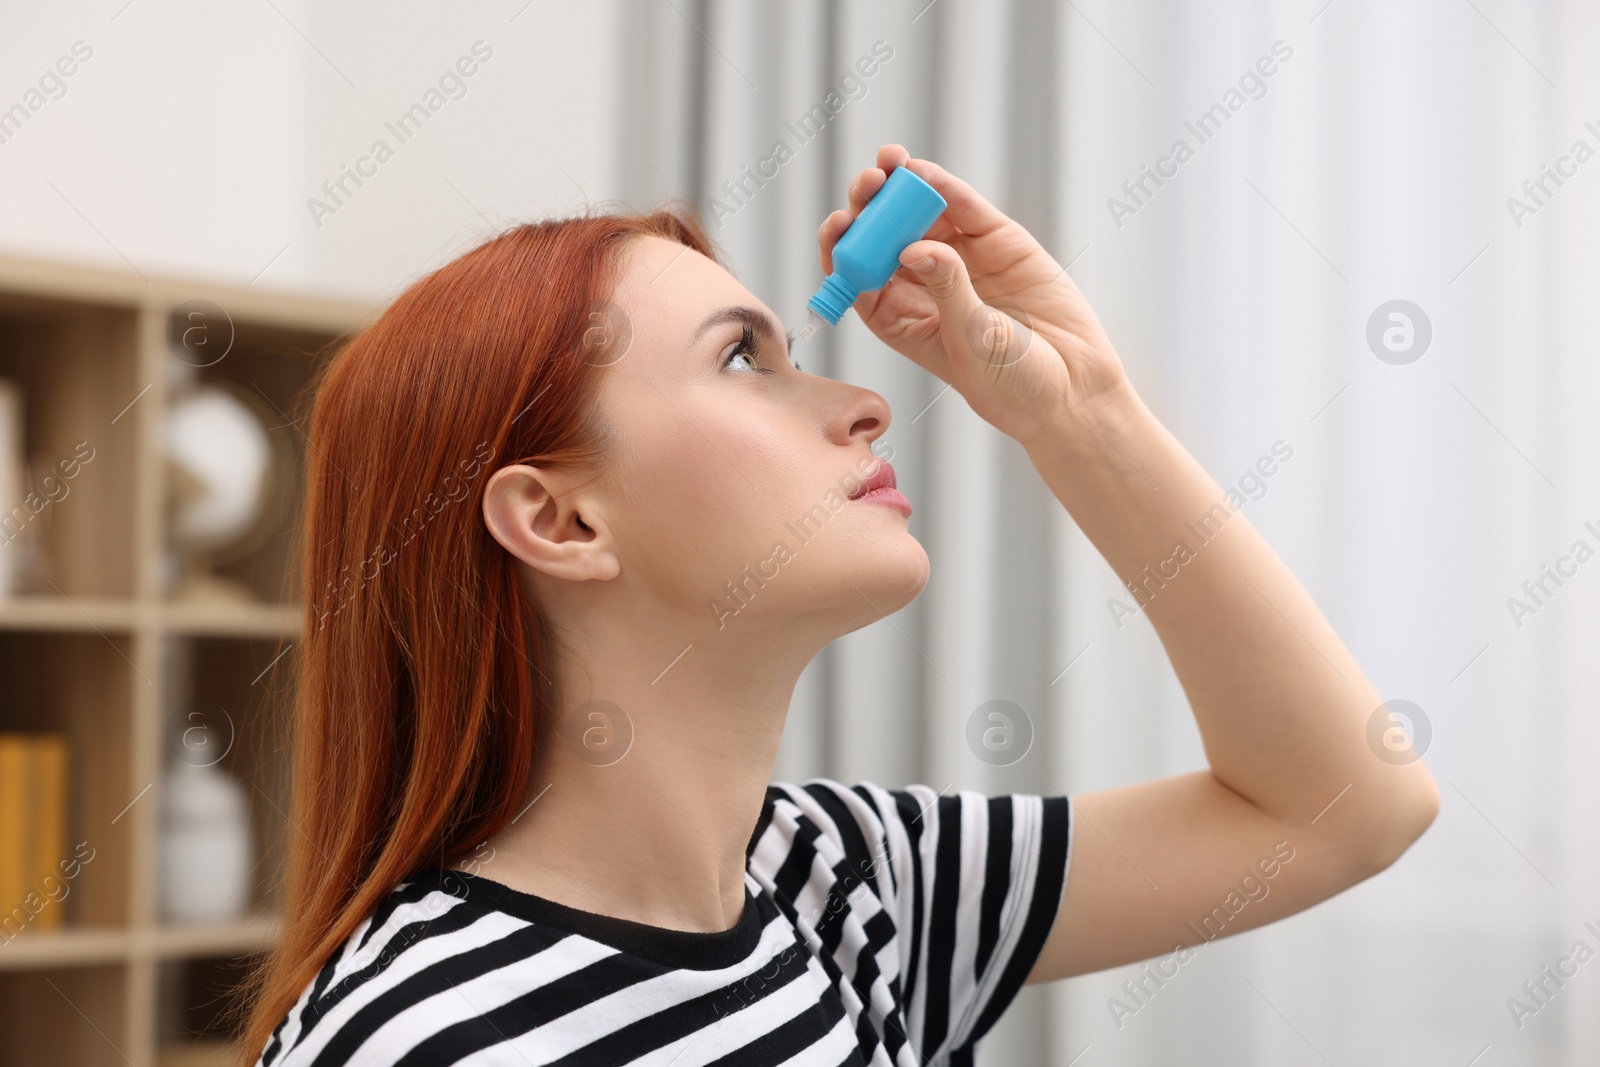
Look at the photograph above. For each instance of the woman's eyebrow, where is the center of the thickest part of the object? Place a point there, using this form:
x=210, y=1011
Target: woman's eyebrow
x=758, y=321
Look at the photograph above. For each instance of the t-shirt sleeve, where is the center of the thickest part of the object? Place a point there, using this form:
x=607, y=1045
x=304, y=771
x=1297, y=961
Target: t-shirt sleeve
x=976, y=881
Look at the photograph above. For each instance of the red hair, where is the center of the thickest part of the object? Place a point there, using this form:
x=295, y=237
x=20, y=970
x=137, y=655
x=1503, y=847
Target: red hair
x=416, y=707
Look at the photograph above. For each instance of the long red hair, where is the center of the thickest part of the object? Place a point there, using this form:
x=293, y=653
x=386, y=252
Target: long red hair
x=418, y=692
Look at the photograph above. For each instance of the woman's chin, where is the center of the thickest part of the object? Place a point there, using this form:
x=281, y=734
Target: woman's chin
x=894, y=575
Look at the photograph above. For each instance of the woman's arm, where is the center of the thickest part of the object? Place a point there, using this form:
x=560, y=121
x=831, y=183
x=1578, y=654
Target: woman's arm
x=1295, y=806
x=1281, y=705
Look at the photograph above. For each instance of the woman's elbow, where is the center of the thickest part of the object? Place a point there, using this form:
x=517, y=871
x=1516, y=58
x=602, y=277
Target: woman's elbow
x=1402, y=822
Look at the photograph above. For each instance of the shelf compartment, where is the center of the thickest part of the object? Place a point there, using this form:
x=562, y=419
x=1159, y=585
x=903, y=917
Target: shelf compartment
x=75, y=1015
x=197, y=1006
x=269, y=368
x=77, y=684
x=233, y=694
x=77, y=368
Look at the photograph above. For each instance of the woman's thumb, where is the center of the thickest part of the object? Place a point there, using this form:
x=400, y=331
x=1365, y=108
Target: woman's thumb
x=940, y=268
x=967, y=325
x=942, y=271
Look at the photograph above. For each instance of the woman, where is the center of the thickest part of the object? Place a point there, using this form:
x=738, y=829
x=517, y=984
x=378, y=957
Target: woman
x=577, y=524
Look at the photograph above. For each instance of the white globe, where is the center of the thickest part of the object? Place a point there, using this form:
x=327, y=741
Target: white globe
x=222, y=455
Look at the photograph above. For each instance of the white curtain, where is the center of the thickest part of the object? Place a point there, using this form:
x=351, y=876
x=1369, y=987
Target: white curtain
x=1373, y=164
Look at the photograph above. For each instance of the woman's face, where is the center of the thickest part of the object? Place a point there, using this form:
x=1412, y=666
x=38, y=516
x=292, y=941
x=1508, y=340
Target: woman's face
x=726, y=498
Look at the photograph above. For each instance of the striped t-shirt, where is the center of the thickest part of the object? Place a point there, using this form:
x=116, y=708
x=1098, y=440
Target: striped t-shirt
x=885, y=927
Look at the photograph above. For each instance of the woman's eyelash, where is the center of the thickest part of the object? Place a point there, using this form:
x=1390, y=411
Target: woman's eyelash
x=748, y=346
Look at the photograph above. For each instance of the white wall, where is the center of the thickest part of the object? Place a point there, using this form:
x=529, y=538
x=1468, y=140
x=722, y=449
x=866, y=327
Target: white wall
x=191, y=139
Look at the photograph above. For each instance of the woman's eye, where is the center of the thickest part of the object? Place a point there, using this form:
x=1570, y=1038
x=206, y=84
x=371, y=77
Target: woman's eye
x=745, y=349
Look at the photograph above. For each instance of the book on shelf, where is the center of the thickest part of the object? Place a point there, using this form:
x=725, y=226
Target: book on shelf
x=33, y=832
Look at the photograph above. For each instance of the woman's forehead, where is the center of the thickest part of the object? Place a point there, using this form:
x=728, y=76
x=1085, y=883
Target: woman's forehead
x=668, y=288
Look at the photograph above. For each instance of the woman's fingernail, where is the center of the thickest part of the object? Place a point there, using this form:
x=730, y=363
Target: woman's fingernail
x=923, y=265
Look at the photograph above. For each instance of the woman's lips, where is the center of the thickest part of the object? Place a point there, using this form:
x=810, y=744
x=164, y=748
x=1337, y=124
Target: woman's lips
x=879, y=488
x=887, y=495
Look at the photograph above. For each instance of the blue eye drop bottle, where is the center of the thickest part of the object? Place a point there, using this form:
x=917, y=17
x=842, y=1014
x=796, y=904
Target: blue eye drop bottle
x=869, y=252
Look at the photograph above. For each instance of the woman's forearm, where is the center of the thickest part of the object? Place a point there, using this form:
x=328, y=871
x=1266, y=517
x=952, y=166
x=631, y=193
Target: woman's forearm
x=1282, y=706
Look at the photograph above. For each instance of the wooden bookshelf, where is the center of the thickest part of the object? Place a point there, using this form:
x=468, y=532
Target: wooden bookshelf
x=98, y=654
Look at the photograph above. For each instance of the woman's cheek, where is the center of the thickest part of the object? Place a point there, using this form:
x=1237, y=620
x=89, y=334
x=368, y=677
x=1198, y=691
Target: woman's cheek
x=717, y=489
x=687, y=508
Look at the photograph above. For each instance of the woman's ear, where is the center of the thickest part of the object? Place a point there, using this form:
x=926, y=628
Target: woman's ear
x=540, y=518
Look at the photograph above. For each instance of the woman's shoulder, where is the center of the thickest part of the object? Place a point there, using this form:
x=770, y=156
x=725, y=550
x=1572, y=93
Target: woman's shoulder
x=861, y=830
x=914, y=836
x=859, y=816
x=865, y=804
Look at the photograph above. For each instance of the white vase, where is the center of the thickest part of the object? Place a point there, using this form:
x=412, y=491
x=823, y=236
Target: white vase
x=206, y=848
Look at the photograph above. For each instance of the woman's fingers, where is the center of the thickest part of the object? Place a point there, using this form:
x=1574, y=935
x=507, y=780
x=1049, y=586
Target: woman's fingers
x=864, y=188
x=891, y=156
x=828, y=235
x=869, y=181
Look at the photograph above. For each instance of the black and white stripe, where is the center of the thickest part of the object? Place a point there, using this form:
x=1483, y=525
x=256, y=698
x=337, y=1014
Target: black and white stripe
x=883, y=927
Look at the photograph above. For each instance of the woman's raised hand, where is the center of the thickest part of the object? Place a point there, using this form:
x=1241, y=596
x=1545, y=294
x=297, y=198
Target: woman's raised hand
x=981, y=305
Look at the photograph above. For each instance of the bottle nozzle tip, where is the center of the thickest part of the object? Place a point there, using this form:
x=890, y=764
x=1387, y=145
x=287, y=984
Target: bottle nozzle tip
x=814, y=322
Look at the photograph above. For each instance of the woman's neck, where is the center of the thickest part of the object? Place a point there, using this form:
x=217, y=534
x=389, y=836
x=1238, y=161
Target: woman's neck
x=645, y=791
